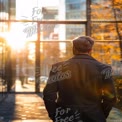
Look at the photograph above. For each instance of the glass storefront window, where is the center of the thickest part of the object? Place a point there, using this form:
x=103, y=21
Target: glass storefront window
x=74, y=10
x=56, y=32
x=104, y=10
x=62, y=31
x=104, y=31
x=109, y=53
x=73, y=31
x=59, y=11
x=101, y=10
x=55, y=25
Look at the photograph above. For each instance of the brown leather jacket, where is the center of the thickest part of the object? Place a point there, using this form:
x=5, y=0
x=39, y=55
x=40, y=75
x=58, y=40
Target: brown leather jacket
x=81, y=82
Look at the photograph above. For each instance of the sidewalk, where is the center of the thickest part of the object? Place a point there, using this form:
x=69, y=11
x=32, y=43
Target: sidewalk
x=23, y=105
x=23, y=108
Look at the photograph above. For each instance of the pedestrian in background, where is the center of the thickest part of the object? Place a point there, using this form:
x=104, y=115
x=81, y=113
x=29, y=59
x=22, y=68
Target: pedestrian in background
x=81, y=85
x=22, y=77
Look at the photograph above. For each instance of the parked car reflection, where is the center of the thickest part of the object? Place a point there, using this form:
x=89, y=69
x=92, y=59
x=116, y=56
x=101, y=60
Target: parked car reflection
x=31, y=78
x=43, y=79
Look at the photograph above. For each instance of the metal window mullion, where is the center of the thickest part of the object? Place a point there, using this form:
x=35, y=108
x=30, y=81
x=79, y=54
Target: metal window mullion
x=88, y=16
x=37, y=61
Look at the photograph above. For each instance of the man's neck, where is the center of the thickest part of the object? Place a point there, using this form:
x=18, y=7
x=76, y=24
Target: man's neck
x=83, y=53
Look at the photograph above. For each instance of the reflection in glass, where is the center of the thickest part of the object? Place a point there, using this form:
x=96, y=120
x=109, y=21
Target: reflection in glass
x=101, y=10
x=104, y=31
x=73, y=31
x=109, y=53
x=61, y=31
x=64, y=10
x=75, y=9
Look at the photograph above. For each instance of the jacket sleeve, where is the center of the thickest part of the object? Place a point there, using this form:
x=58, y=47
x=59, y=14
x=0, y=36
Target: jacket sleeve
x=108, y=91
x=50, y=95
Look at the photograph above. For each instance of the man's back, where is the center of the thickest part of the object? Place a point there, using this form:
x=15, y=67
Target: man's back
x=82, y=84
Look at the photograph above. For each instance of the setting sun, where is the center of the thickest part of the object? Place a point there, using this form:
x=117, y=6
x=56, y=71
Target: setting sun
x=16, y=38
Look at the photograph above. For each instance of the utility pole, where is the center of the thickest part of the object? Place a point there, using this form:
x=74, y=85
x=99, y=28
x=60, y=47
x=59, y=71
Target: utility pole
x=88, y=17
x=37, y=62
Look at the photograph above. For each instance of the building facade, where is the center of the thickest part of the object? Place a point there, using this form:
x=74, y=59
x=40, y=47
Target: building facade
x=75, y=10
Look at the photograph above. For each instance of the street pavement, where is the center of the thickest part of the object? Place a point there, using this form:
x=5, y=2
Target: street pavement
x=23, y=108
x=29, y=107
x=23, y=105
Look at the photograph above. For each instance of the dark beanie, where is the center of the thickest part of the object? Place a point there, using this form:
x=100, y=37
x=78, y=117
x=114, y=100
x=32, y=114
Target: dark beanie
x=83, y=43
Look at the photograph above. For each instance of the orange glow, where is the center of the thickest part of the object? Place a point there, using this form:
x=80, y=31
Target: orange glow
x=16, y=37
x=16, y=41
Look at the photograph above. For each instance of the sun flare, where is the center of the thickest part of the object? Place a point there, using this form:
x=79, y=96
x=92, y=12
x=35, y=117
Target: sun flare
x=16, y=37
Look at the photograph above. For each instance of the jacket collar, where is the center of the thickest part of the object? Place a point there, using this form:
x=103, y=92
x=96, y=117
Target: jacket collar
x=83, y=56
